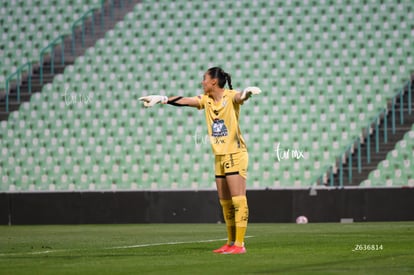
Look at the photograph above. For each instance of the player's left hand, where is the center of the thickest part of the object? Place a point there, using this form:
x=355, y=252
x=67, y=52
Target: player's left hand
x=249, y=91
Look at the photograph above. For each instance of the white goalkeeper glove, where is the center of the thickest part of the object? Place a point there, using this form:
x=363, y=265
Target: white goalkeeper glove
x=151, y=100
x=249, y=91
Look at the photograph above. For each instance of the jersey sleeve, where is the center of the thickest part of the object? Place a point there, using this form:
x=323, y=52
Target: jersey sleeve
x=201, y=101
x=232, y=94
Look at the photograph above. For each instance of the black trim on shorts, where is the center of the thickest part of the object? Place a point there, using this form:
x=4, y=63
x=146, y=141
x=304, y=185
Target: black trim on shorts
x=232, y=173
x=220, y=177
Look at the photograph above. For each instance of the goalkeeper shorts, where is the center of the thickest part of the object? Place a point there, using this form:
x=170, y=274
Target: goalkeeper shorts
x=232, y=164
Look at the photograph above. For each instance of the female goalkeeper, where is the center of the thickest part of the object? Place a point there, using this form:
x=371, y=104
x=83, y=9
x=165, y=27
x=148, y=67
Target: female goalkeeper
x=222, y=107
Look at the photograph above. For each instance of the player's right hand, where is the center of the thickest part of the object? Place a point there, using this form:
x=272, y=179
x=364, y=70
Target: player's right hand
x=151, y=100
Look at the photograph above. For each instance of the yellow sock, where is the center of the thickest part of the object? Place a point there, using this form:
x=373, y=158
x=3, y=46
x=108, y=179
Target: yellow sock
x=228, y=214
x=241, y=216
x=240, y=233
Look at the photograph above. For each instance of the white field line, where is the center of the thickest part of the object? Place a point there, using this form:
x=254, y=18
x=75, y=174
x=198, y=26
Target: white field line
x=34, y=253
x=159, y=244
x=169, y=243
x=115, y=247
x=44, y=252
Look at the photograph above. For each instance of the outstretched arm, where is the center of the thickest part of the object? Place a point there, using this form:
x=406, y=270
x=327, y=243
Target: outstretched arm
x=178, y=101
x=246, y=94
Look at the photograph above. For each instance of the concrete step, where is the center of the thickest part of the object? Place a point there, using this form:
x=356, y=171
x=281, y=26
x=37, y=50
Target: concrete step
x=401, y=128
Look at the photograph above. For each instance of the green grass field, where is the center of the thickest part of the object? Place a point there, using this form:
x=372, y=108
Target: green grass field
x=328, y=248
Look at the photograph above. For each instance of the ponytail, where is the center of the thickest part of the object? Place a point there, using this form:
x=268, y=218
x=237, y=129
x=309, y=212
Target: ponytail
x=228, y=78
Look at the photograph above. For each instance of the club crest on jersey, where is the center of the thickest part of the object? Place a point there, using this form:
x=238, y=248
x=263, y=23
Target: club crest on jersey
x=218, y=128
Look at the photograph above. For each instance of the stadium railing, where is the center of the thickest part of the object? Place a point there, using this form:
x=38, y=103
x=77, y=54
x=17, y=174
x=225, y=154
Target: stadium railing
x=81, y=21
x=18, y=75
x=371, y=128
x=51, y=48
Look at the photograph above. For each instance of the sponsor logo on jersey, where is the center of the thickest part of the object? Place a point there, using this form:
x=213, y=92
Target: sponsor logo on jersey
x=219, y=129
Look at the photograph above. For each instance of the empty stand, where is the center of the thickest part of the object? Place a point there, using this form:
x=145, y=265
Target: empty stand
x=325, y=68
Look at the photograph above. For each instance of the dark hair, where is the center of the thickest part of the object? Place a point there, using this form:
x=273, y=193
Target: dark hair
x=222, y=76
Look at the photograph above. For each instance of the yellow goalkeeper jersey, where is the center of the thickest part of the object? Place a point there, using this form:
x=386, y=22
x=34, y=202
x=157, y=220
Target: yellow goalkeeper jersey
x=223, y=123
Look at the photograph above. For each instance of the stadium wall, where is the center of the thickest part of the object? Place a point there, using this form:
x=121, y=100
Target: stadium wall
x=322, y=205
